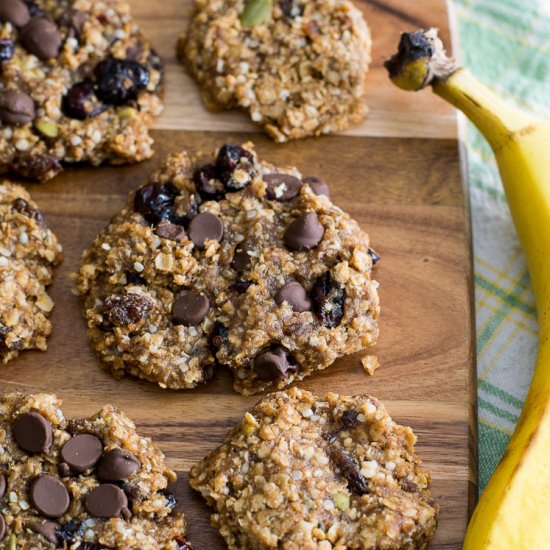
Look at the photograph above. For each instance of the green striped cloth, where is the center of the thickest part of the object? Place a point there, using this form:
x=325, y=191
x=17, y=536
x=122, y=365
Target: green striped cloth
x=506, y=43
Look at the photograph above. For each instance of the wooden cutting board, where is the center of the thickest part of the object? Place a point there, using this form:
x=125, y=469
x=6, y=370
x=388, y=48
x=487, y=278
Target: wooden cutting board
x=398, y=174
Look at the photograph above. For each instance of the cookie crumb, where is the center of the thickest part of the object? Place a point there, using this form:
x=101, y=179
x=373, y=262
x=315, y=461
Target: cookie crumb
x=370, y=364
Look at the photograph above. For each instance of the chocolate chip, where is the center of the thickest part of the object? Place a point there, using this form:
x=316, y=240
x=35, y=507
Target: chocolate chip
x=117, y=465
x=125, y=309
x=374, y=256
x=349, y=419
x=273, y=364
x=73, y=20
x=190, y=308
x=327, y=299
x=16, y=107
x=241, y=257
x=348, y=468
x=170, y=231
x=208, y=184
x=205, y=227
x=305, y=232
x=282, y=187
x=2, y=527
x=6, y=50
x=64, y=469
x=106, y=501
x=32, y=432
x=49, y=496
x=82, y=452
x=40, y=36
x=3, y=485
x=295, y=295
x=48, y=530
x=14, y=12
x=318, y=186
x=240, y=287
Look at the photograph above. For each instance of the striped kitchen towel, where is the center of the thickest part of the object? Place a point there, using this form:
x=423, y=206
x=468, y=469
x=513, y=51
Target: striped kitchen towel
x=506, y=43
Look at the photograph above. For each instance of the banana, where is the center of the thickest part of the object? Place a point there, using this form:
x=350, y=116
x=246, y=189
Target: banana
x=513, y=512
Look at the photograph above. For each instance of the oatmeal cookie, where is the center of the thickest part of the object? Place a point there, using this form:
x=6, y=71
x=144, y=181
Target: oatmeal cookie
x=303, y=472
x=28, y=253
x=236, y=263
x=78, y=83
x=90, y=483
x=297, y=67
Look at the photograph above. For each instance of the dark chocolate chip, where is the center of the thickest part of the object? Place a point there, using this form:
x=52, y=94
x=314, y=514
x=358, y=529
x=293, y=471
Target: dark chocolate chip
x=348, y=468
x=2, y=527
x=32, y=432
x=327, y=299
x=126, y=309
x=73, y=20
x=16, y=107
x=273, y=364
x=14, y=12
x=295, y=295
x=208, y=184
x=305, y=232
x=205, y=227
x=318, y=186
x=49, y=496
x=40, y=36
x=80, y=102
x=241, y=257
x=170, y=231
x=190, y=308
x=282, y=187
x=374, y=256
x=117, y=465
x=240, y=287
x=106, y=501
x=48, y=530
x=6, y=50
x=349, y=419
x=82, y=452
x=3, y=486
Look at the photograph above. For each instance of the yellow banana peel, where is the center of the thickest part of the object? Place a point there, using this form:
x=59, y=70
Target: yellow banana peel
x=513, y=512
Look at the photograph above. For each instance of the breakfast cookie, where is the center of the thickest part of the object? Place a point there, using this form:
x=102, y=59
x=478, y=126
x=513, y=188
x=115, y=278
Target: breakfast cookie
x=304, y=472
x=78, y=83
x=92, y=483
x=236, y=263
x=28, y=253
x=297, y=67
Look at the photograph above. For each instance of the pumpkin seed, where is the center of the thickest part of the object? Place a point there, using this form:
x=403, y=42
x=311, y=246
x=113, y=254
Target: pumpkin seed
x=126, y=112
x=256, y=12
x=47, y=128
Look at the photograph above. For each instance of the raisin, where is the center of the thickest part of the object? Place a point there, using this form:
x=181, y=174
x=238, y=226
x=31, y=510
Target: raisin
x=374, y=256
x=6, y=50
x=125, y=309
x=23, y=207
x=327, y=299
x=218, y=336
x=240, y=287
x=349, y=419
x=120, y=81
x=348, y=468
x=133, y=278
x=81, y=102
x=208, y=186
x=37, y=167
x=182, y=544
x=230, y=158
x=155, y=201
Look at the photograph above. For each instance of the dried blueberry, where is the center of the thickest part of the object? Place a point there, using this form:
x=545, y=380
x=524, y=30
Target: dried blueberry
x=218, y=336
x=208, y=185
x=155, y=201
x=172, y=501
x=120, y=81
x=327, y=299
x=155, y=61
x=348, y=468
x=6, y=50
x=374, y=256
x=81, y=102
x=70, y=531
x=125, y=309
x=230, y=159
x=33, y=8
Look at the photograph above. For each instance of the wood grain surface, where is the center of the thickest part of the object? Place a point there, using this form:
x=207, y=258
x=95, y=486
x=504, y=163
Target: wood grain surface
x=405, y=192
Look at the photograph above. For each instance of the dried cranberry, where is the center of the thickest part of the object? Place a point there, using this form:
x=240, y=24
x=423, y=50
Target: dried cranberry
x=120, y=80
x=81, y=102
x=327, y=299
x=6, y=50
x=125, y=309
x=230, y=158
x=208, y=185
x=218, y=336
x=348, y=468
x=182, y=544
x=155, y=201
